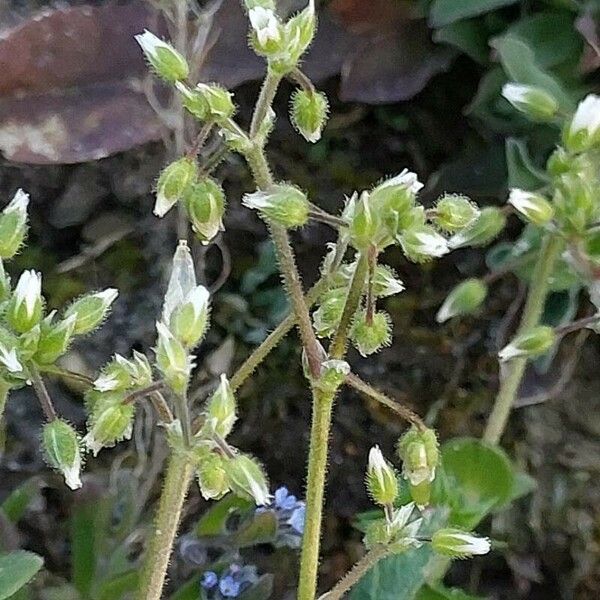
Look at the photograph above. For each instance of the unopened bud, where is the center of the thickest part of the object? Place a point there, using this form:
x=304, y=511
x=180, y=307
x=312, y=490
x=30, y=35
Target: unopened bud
x=533, y=101
x=381, y=479
x=247, y=479
x=454, y=212
x=117, y=375
x=221, y=410
x=458, y=544
x=190, y=319
x=309, y=113
x=168, y=64
x=281, y=203
x=54, y=339
x=91, y=310
x=386, y=283
x=181, y=281
x=299, y=33
x=423, y=243
x=61, y=448
x=173, y=183
x=530, y=344
x=28, y=342
x=219, y=101
x=533, y=207
x=481, y=231
x=419, y=452
x=464, y=299
x=110, y=422
x=4, y=283
x=212, y=476
x=172, y=359
x=327, y=317
x=364, y=226
x=583, y=132
x=333, y=374
x=268, y=32
x=24, y=309
x=205, y=205
x=13, y=225
x=10, y=361
x=370, y=335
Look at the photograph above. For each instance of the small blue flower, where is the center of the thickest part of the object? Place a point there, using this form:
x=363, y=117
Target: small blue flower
x=229, y=587
x=209, y=580
x=296, y=521
x=283, y=499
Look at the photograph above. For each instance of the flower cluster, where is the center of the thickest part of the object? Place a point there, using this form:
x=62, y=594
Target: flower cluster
x=290, y=513
x=229, y=584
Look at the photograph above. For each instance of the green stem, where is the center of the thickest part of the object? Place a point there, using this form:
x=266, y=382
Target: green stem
x=42, y=393
x=355, y=574
x=265, y=100
x=355, y=292
x=536, y=298
x=315, y=491
x=66, y=374
x=177, y=482
x=182, y=412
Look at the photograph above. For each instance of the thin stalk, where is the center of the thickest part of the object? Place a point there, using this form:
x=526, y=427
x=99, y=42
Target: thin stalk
x=42, y=393
x=354, y=381
x=182, y=412
x=355, y=574
x=337, y=349
x=161, y=407
x=315, y=492
x=265, y=100
x=536, y=298
x=577, y=325
x=133, y=397
x=177, y=482
x=66, y=374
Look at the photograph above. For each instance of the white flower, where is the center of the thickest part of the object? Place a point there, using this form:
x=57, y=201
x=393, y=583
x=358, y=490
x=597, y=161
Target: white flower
x=72, y=474
x=406, y=179
x=472, y=544
x=515, y=92
x=457, y=543
x=587, y=116
x=150, y=43
x=108, y=296
x=19, y=203
x=28, y=291
x=106, y=383
x=181, y=282
x=402, y=515
x=377, y=463
x=10, y=360
x=522, y=200
x=198, y=298
x=534, y=207
x=432, y=244
x=266, y=25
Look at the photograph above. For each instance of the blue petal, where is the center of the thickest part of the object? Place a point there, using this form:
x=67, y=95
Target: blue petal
x=281, y=495
x=229, y=587
x=209, y=580
x=296, y=521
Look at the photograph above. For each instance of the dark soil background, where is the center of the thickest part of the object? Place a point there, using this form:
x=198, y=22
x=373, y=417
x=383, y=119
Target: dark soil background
x=100, y=213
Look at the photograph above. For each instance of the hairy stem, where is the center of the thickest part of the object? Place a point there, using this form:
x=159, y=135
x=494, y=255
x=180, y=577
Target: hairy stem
x=355, y=574
x=182, y=412
x=158, y=551
x=354, y=381
x=66, y=374
x=538, y=290
x=315, y=491
x=42, y=393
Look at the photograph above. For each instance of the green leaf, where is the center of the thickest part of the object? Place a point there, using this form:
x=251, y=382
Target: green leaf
x=17, y=569
x=469, y=37
x=551, y=36
x=260, y=528
x=118, y=586
x=188, y=591
x=519, y=62
x=261, y=590
x=522, y=173
x=17, y=502
x=83, y=546
x=444, y=12
x=439, y=592
x=214, y=520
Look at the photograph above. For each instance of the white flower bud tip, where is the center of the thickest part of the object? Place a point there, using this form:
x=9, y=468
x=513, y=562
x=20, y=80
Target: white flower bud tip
x=376, y=461
x=28, y=291
x=150, y=43
x=9, y=359
x=587, y=116
x=265, y=23
x=19, y=203
x=406, y=179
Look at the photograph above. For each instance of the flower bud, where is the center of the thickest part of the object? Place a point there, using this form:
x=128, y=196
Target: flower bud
x=299, y=33
x=221, y=409
x=13, y=225
x=24, y=309
x=327, y=317
x=190, y=319
x=282, y=203
x=181, y=281
x=4, y=284
x=9, y=359
x=173, y=183
x=168, y=64
x=422, y=243
x=454, y=212
x=194, y=102
x=172, y=359
x=464, y=299
x=28, y=342
x=247, y=479
x=532, y=343
x=419, y=452
x=396, y=188
x=369, y=336
x=583, y=132
x=385, y=282
x=531, y=100
x=364, y=227
x=268, y=32
x=575, y=201
x=212, y=476
x=381, y=479
x=117, y=375
x=205, y=205
x=533, y=207
x=333, y=374
x=219, y=101
x=110, y=422
x=61, y=448
x=458, y=544
x=481, y=231
x=309, y=113
x=91, y=310
x=54, y=339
